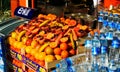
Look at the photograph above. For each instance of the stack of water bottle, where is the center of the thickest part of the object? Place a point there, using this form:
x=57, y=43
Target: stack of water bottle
x=102, y=50
x=2, y=60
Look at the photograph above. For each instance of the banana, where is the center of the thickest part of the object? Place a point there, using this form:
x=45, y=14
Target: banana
x=45, y=22
x=72, y=41
x=20, y=35
x=43, y=46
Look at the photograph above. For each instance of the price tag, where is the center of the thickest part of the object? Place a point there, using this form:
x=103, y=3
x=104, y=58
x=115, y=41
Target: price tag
x=25, y=12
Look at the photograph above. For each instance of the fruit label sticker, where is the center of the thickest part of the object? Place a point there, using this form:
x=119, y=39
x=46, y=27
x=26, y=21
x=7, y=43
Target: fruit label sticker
x=24, y=12
x=41, y=69
x=31, y=64
x=19, y=57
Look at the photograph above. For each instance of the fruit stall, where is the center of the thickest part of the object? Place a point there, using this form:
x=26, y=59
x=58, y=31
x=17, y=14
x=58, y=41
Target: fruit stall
x=76, y=42
x=41, y=42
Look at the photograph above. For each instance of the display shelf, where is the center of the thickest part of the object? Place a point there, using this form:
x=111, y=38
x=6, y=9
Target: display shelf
x=27, y=62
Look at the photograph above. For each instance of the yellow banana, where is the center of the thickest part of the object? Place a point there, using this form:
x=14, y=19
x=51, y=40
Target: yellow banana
x=20, y=35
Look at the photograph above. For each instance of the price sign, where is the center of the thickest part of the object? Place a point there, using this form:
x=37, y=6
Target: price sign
x=25, y=12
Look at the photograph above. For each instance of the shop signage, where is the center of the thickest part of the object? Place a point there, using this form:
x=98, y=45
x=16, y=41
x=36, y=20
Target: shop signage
x=25, y=12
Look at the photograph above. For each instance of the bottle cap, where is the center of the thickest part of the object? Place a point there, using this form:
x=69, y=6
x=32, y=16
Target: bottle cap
x=57, y=65
x=102, y=36
x=101, y=12
x=106, y=13
x=69, y=61
x=96, y=34
x=116, y=15
x=110, y=14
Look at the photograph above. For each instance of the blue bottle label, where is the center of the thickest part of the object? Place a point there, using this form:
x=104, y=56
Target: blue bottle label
x=103, y=49
x=115, y=46
x=109, y=36
x=111, y=24
x=105, y=23
x=95, y=50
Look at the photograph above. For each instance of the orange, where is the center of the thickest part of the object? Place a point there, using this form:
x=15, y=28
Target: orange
x=48, y=50
x=28, y=55
x=49, y=58
x=11, y=40
x=41, y=56
x=63, y=46
x=24, y=39
x=15, y=44
x=41, y=63
x=34, y=43
x=38, y=47
x=32, y=58
x=33, y=51
x=14, y=35
x=28, y=49
x=64, y=54
x=72, y=52
x=20, y=45
x=57, y=51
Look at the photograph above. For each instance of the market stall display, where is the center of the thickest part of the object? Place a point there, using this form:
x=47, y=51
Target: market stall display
x=45, y=39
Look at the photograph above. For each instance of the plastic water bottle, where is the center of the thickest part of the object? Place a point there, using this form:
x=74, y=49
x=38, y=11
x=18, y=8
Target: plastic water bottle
x=103, y=59
x=117, y=32
x=114, y=54
x=74, y=59
x=105, y=17
x=115, y=18
x=112, y=67
x=104, y=51
x=2, y=65
x=104, y=28
x=100, y=19
x=95, y=61
x=114, y=51
x=88, y=46
x=77, y=68
x=103, y=40
x=110, y=33
x=110, y=17
x=96, y=41
x=61, y=66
